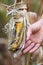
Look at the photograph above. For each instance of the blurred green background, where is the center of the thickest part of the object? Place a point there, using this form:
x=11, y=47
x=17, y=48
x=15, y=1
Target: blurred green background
x=8, y=2
x=4, y=19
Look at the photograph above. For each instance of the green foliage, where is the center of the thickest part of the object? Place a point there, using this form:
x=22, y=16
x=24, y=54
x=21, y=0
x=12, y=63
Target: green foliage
x=8, y=2
x=3, y=20
x=35, y=6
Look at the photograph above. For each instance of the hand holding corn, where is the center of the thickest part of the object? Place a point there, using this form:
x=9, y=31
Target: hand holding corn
x=34, y=37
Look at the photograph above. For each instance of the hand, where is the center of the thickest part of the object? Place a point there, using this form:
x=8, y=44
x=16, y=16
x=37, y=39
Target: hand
x=34, y=37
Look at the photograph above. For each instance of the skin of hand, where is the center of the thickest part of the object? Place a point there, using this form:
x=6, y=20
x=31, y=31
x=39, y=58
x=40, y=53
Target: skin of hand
x=34, y=37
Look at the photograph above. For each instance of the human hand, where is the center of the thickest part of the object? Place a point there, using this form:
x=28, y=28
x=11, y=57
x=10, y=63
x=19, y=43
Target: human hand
x=34, y=37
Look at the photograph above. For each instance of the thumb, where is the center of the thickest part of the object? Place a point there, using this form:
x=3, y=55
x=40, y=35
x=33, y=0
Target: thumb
x=28, y=33
x=33, y=28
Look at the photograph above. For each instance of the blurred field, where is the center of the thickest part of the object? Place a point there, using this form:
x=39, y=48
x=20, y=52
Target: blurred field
x=7, y=56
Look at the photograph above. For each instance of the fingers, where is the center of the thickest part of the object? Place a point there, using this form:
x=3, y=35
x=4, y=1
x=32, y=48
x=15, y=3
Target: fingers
x=31, y=48
x=34, y=48
x=29, y=32
x=28, y=48
x=28, y=43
